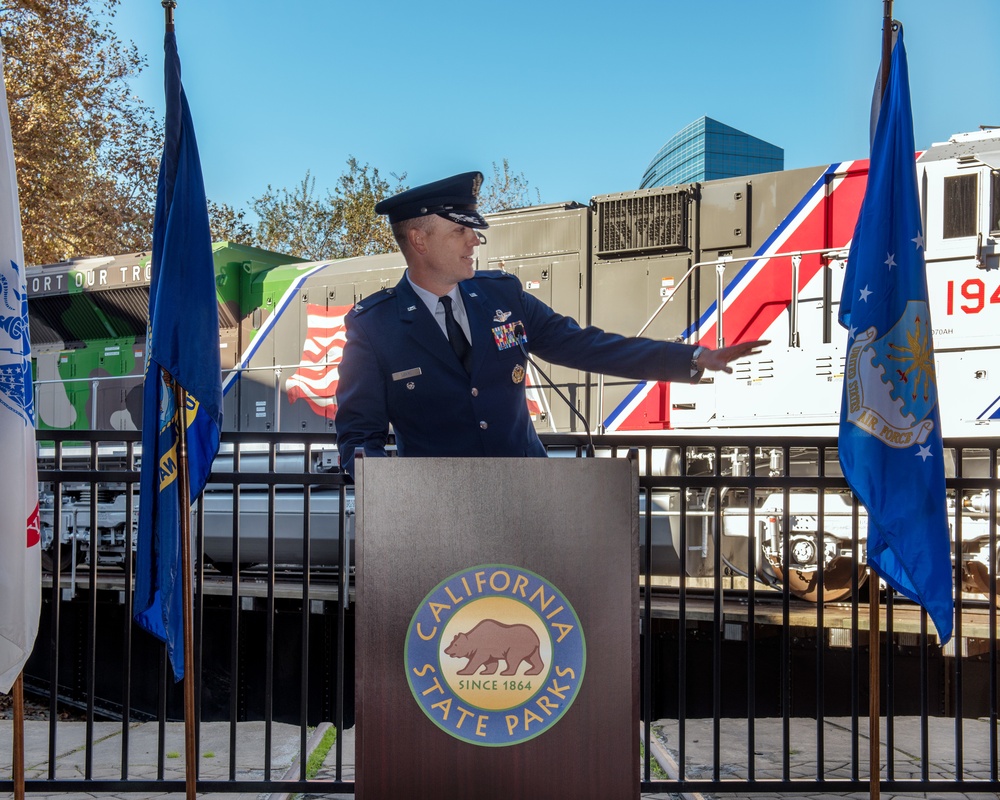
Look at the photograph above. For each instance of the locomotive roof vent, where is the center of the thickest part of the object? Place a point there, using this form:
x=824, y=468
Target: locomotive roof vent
x=641, y=223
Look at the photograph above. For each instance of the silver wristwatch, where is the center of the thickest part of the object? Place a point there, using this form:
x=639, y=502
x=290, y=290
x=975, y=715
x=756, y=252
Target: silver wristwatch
x=695, y=369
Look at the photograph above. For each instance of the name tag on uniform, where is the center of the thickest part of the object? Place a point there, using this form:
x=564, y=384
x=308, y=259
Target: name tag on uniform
x=406, y=373
x=505, y=337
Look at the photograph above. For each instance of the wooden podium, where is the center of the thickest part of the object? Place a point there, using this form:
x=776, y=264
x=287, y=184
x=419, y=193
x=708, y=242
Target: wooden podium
x=496, y=628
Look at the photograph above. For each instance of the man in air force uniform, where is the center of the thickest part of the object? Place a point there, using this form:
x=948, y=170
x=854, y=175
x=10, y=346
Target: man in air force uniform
x=438, y=357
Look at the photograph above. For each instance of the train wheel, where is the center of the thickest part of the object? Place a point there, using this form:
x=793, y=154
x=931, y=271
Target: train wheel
x=65, y=559
x=836, y=580
x=976, y=578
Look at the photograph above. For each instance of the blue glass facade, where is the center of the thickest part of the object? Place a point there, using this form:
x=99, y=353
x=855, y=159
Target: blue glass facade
x=705, y=150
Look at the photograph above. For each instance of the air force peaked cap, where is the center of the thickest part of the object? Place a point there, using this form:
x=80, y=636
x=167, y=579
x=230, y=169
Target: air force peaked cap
x=453, y=198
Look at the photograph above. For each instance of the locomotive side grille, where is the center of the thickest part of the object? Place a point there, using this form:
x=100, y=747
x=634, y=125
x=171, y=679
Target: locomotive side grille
x=76, y=318
x=642, y=224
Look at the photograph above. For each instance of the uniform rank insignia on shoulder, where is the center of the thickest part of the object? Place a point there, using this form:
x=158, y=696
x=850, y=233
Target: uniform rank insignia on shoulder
x=505, y=336
x=494, y=274
x=365, y=303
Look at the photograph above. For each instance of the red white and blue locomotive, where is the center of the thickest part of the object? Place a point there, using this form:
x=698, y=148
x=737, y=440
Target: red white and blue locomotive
x=754, y=257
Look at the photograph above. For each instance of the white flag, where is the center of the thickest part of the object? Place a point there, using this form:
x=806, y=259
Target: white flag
x=20, y=549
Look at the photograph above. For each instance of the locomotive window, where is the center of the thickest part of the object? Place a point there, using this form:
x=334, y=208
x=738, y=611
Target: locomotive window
x=995, y=202
x=960, y=206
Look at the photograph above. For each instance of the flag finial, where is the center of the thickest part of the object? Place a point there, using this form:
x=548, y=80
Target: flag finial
x=887, y=27
x=168, y=12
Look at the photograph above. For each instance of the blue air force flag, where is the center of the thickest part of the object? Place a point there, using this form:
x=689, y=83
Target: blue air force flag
x=183, y=349
x=890, y=428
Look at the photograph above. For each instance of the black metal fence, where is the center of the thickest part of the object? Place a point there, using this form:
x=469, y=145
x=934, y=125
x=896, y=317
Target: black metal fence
x=754, y=637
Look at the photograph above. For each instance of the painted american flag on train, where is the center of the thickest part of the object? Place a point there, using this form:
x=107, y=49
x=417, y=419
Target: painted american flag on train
x=317, y=376
x=315, y=381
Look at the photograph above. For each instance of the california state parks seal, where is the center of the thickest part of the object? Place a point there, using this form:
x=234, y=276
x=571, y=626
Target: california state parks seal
x=495, y=655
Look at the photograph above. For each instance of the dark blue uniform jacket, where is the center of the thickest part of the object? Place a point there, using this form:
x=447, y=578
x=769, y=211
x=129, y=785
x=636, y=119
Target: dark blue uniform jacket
x=398, y=368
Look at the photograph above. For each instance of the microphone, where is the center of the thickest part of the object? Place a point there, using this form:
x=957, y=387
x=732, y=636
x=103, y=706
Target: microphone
x=519, y=336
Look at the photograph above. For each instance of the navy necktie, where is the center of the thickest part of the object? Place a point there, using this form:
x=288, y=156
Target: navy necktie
x=456, y=335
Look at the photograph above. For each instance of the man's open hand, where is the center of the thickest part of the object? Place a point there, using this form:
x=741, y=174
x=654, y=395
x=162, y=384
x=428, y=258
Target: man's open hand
x=718, y=360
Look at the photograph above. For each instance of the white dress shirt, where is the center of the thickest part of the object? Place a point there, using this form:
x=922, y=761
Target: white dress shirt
x=431, y=300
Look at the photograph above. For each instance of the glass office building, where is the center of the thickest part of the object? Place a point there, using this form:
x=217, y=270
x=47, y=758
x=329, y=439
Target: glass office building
x=705, y=150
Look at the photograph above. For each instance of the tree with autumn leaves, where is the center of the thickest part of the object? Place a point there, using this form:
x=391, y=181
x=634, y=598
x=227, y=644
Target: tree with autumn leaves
x=87, y=154
x=86, y=150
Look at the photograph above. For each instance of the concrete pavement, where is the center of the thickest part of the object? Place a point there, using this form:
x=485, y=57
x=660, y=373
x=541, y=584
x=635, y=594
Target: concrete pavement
x=770, y=744
x=143, y=748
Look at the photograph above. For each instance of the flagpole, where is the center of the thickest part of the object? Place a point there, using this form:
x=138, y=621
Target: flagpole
x=874, y=598
x=190, y=754
x=19, y=737
x=874, y=681
x=183, y=322
x=912, y=555
x=886, y=43
x=180, y=396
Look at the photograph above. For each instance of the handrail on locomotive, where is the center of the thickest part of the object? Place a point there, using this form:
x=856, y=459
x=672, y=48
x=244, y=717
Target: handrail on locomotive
x=829, y=254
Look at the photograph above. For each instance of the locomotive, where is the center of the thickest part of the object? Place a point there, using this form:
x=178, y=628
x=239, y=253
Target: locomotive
x=752, y=257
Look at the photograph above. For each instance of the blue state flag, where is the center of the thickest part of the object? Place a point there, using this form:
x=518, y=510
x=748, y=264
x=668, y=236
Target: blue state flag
x=182, y=349
x=890, y=425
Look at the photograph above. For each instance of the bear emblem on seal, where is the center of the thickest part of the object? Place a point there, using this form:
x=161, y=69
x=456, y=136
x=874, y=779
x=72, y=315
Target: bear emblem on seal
x=490, y=641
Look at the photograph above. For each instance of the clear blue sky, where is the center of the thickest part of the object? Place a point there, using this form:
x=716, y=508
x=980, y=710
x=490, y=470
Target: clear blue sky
x=578, y=95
